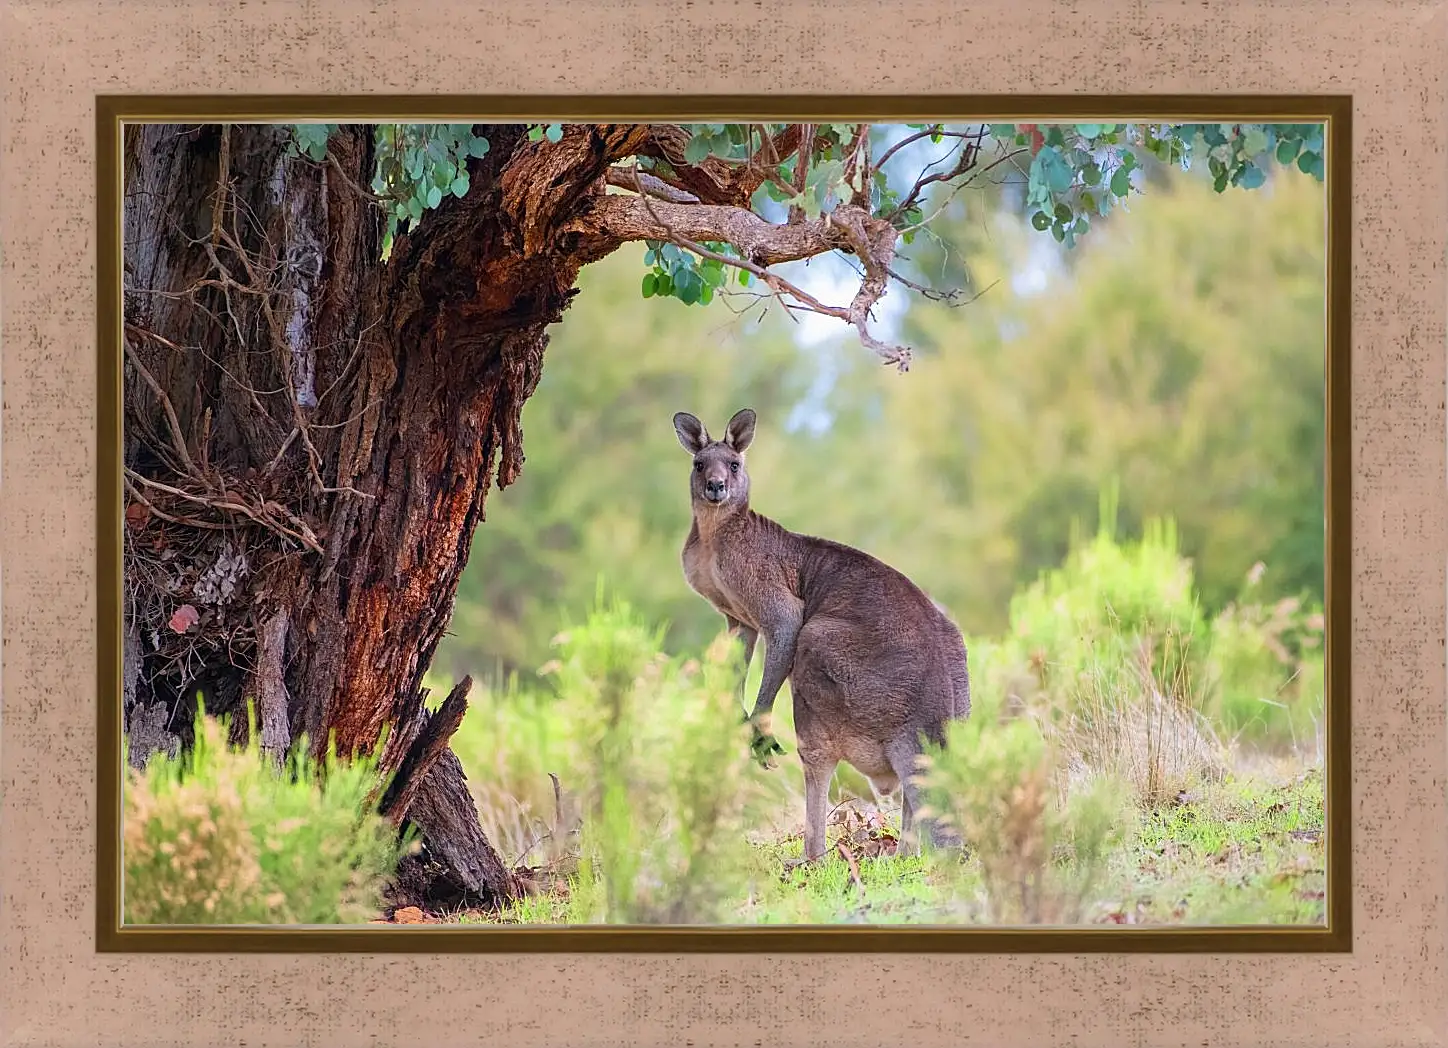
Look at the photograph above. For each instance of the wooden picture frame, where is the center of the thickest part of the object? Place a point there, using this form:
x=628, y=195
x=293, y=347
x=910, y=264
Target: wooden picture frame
x=1333, y=111
x=60, y=984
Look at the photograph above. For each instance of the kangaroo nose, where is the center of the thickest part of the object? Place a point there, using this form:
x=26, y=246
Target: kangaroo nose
x=714, y=488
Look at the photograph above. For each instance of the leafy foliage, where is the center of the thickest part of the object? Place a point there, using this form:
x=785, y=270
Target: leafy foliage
x=1080, y=171
x=310, y=139
x=1075, y=174
x=680, y=274
x=1042, y=853
x=417, y=166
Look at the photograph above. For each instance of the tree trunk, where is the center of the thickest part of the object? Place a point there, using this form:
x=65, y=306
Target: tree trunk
x=311, y=432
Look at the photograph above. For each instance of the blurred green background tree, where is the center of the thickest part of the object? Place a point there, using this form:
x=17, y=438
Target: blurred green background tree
x=1176, y=354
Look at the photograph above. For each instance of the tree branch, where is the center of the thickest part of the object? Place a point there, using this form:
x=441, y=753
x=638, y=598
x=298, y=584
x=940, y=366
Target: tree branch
x=615, y=219
x=646, y=184
x=425, y=750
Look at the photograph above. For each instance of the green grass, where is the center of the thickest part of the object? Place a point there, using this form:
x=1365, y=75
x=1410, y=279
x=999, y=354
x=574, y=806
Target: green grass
x=1245, y=851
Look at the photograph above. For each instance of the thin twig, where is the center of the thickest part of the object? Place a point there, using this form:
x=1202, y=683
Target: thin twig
x=177, y=439
x=946, y=203
x=303, y=534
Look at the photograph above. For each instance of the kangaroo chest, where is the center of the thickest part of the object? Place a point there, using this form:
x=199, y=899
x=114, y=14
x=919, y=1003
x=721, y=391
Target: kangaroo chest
x=712, y=580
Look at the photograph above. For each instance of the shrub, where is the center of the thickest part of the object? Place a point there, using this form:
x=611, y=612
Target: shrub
x=1042, y=850
x=1108, y=655
x=667, y=785
x=1267, y=670
x=223, y=835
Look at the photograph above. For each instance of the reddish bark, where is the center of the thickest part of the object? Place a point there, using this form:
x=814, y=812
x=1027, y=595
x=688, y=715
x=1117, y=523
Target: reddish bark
x=335, y=419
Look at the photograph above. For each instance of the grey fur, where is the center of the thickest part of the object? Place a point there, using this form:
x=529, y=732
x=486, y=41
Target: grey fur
x=874, y=665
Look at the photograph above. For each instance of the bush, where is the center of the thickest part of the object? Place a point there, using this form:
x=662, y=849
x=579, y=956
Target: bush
x=222, y=835
x=667, y=785
x=1267, y=670
x=1042, y=850
x=1108, y=655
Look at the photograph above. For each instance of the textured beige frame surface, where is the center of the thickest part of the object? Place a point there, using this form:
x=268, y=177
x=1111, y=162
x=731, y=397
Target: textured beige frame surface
x=55, y=989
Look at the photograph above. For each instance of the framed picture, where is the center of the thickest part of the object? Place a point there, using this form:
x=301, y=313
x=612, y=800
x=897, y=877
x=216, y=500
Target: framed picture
x=366, y=373
x=1031, y=638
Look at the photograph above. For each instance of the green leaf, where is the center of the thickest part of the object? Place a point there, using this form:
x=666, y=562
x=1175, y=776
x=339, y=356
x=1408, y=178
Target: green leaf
x=1091, y=174
x=1121, y=182
x=434, y=196
x=744, y=278
x=1251, y=177
x=1063, y=213
x=1000, y=131
x=696, y=149
x=1041, y=221
x=1305, y=162
x=460, y=185
x=554, y=133
x=535, y=133
x=1287, y=151
x=1254, y=142
x=1089, y=130
x=1058, y=173
x=478, y=147
x=650, y=285
x=414, y=208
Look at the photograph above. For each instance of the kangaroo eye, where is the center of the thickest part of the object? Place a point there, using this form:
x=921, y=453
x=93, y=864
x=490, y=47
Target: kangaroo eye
x=733, y=467
x=698, y=467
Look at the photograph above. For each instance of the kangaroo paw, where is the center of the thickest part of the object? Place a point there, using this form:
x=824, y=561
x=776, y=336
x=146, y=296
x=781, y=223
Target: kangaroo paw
x=763, y=747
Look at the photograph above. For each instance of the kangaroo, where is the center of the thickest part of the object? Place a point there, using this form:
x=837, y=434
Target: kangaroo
x=874, y=666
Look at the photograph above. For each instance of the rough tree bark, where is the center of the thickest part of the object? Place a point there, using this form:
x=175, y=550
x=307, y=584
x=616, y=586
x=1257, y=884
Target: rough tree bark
x=311, y=433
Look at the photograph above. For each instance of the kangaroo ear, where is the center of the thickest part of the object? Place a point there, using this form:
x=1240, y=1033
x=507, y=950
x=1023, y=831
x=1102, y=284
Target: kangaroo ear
x=691, y=431
x=739, y=434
